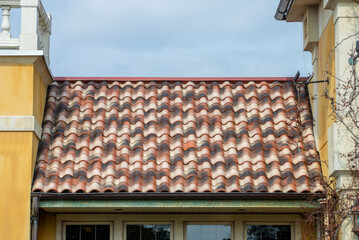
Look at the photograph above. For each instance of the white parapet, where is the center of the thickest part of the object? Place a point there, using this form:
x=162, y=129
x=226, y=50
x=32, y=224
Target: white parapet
x=35, y=27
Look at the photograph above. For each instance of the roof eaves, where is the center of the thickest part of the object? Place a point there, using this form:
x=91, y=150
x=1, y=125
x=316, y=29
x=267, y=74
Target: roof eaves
x=179, y=196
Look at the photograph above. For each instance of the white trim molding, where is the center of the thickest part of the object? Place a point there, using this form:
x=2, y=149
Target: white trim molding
x=20, y=124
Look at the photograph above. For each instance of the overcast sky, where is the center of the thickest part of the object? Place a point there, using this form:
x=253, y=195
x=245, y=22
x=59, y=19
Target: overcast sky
x=174, y=38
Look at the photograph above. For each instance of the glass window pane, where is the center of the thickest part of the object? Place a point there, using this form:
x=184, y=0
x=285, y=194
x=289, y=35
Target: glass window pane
x=268, y=232
x=163, y=232
x=133, y=232
x=148, y=232
x=103, y=232
x=88, y=232
x=208, y=232
x=72, y=232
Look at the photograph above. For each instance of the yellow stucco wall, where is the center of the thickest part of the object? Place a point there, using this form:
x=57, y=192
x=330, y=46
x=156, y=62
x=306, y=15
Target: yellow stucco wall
x=47, y=227
x=326, y=68
x=22, y=93
x=16, y=95
x=39, y=93
x=308, y=231
x=16, y=153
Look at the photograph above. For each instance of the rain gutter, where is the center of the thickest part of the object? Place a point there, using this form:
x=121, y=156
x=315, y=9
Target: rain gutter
x=282, y=10
x=34, y=217
x=178, y=196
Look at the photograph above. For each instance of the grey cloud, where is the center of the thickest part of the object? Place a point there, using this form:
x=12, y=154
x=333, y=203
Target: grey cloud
x=173, y=38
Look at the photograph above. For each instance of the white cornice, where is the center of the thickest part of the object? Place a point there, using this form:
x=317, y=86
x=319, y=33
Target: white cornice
x=19, y=53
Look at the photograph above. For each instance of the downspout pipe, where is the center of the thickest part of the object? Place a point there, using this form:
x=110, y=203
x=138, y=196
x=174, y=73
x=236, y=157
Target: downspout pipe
x=34, y=217
x=282, y=10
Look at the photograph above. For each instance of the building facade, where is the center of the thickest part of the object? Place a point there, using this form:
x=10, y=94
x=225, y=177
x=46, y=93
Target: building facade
x=149, y=158
x=330, y=33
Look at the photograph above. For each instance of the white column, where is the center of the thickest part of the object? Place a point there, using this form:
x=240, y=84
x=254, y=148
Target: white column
x=346, y=23
x=29, y=25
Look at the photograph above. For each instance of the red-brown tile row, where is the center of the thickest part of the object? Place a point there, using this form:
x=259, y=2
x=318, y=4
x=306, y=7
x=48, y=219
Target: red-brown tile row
x=177, y=137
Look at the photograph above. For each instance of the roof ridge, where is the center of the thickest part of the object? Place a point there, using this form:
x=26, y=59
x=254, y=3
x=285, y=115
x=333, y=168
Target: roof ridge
x=178, y=79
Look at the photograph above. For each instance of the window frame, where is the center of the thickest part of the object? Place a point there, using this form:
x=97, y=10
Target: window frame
x=185, y=224
x=65, y=223
x=125, y=223
x=286, y=223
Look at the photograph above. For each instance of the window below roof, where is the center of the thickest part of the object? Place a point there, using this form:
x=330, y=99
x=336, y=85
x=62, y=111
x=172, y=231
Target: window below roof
x=178, y=226
x=87, y=231
x=148, y=231
x=268, y=231
x=209, y=231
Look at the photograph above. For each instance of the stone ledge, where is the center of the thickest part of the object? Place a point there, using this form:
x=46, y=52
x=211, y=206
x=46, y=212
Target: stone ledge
x=20, y=124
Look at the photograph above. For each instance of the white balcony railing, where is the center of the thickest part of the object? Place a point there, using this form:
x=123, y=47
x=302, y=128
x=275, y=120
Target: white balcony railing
x=35, y=26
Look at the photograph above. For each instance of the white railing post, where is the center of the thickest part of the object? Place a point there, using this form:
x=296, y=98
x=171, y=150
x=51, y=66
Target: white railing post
x=46, y=32
x=29, y=25
x=5, y=23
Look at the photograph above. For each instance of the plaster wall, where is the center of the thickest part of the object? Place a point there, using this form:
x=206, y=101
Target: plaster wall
x=22, y=92
x=16, y=153
x=22, y=97
x=324, y=67
x=346, y=23
x=324, y=17
x=337, y=39
x=308, y=231
x=16, y=81
x=39, y=93
x=47, y=227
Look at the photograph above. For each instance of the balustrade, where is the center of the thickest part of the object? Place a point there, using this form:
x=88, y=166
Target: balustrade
x=35, y=27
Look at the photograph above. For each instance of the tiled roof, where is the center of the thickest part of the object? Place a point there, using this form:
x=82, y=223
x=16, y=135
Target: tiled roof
x=237, y=136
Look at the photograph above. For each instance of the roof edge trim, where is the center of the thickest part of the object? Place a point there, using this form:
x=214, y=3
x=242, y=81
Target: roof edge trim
x=180, y=79
x=179, y=195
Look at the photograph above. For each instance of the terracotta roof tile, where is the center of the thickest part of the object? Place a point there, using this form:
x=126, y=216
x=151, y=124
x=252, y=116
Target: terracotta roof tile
x=176, y=137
